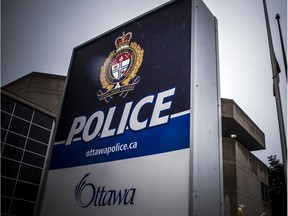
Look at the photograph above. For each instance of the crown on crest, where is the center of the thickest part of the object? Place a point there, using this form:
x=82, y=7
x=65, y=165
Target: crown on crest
x=123, y=41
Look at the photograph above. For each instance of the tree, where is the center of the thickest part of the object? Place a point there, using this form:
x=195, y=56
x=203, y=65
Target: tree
x=277, y=187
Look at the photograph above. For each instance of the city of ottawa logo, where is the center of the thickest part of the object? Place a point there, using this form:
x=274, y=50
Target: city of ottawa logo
x=88, y=194
x=118, y=73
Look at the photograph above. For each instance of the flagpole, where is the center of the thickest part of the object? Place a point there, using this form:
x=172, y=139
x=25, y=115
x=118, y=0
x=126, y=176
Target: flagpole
x=277, y=17
x=275, y=76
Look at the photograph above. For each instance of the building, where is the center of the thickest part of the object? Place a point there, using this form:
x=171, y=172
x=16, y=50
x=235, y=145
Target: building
x=29, y=109
x=245, y=176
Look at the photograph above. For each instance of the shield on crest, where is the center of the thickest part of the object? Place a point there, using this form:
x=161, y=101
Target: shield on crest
x=120, y=65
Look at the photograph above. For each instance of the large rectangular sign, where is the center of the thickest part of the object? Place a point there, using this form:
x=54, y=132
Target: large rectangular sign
x=124, y=139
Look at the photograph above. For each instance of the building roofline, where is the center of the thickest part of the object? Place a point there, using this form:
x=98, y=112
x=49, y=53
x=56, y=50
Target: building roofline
x=236, y=122
x=34, y=74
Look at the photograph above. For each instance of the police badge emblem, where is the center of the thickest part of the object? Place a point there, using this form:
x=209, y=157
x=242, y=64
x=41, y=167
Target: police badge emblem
x=118, y=73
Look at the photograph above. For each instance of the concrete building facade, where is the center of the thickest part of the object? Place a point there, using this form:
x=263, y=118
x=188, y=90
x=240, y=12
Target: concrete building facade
x=245, y=176
x=245, y=181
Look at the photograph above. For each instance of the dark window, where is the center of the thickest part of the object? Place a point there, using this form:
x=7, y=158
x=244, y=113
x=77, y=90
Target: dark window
x=23, y=111
x=12, y=153
x=265, y=192
x=22, y=208
x=43, y=120
x=5, y=119
x=15, y=140
x=36, y=147
x=3, y=134
x=39, y=134
x=2, y=146
x=30, y=174
x=33, y=159
x=7, y=104
x=19, y=126
x=5, y=204
x=7, y=186
x=26, y=191
x=9, y=168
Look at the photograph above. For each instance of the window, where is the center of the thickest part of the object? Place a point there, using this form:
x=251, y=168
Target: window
x=39, y=134
x=12, y=153
x=20, y=207
x=34, y=159
x=5, y=119
x=7, y=104
x=26, y=191
x=36, y=147
x=9, y=168
x=15, y=140
x=43, y=120
x=30, y=174
x=19, y=126
x=3, y=135
x=265, y=192
x=23, y=111
x=25, y=133
x=5, y=205
x=8, y=189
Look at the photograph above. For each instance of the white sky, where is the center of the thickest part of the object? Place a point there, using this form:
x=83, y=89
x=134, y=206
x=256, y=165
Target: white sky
x=40, y=36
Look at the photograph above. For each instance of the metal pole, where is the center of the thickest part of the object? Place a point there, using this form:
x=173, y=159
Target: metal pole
x=277, y=92
x=277, y=17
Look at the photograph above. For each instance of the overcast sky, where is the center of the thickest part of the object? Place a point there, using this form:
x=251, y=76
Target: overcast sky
x=40, y=36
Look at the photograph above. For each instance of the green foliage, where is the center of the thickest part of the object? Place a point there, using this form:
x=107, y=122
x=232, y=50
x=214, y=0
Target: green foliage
x=277, y=187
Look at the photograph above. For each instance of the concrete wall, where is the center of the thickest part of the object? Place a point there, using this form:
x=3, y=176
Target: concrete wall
x=44, y=90
x=236, y=121
x=243, y=174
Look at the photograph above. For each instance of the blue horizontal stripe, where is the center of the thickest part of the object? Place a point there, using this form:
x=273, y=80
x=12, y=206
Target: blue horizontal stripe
x=170, y=137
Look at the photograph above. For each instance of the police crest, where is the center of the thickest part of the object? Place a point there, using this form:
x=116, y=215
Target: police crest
x=118, y=73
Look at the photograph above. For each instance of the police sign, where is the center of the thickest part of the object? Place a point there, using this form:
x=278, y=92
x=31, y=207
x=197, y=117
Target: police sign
x=128, y=138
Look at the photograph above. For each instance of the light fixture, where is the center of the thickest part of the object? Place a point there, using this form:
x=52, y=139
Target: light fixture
x=240, y=208
x=233, y=136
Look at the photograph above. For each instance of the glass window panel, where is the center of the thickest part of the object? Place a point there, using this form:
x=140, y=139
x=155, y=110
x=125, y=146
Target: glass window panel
x=5, y=205
x=2, y=146
x=36, y=147
x=5, y=119
x=7, y=186
x=33, y=159
x=23, y=111
x=3, y=134
x=7, y=104
x=30, y=174
x=9, y=168
x=19, y=126
x=26, y=191
x=43, y=120
x=11, y=152
x=15, y=140
x=23, y=208
x=39, y=134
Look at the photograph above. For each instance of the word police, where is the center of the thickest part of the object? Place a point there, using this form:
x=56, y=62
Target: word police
x=129, y=116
